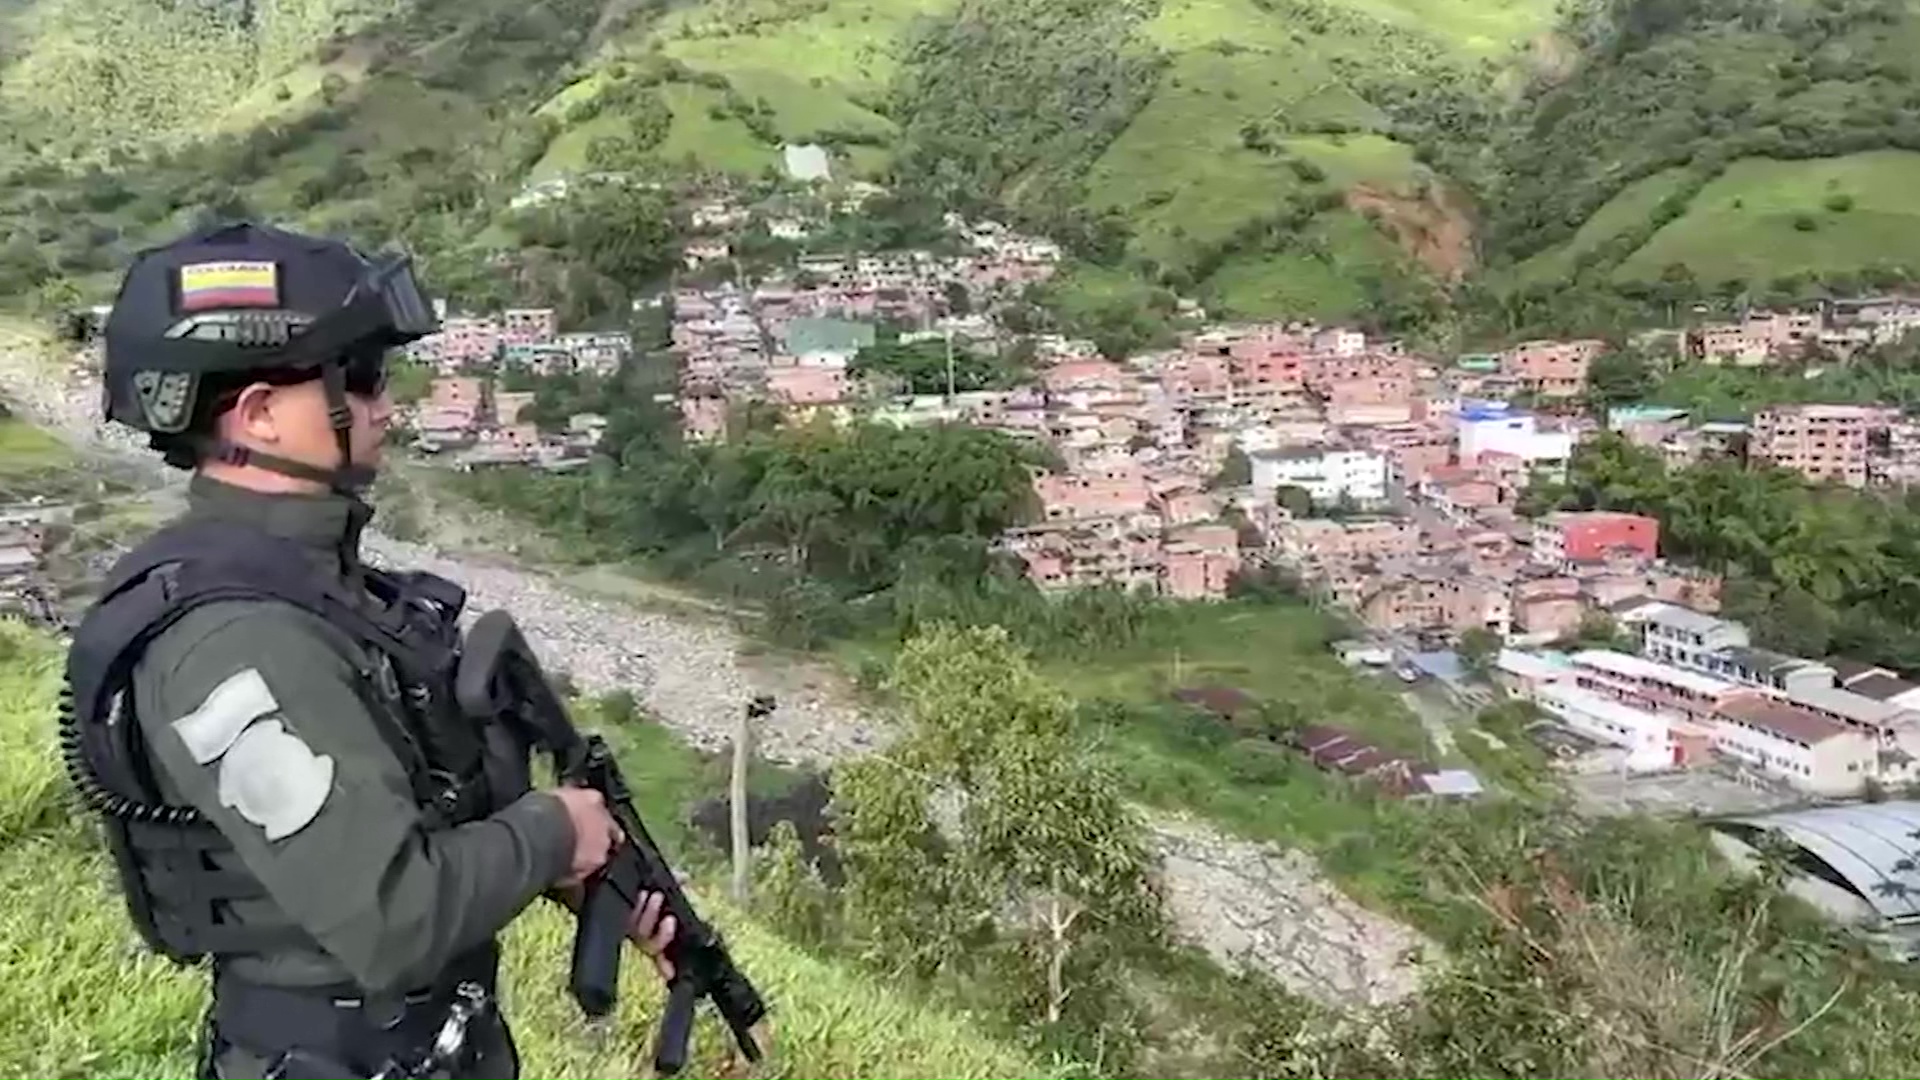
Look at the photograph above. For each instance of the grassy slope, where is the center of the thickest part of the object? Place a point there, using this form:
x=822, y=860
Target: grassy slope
x=25, y=448
x=1168, y=759
x=120, y=69
x=81, y=999
x=1179, y=170
x=1183, y=174
x=814, y=71
x=1475, y=27
x=1709, y=86
x=1743, y=224
x=1625, y=211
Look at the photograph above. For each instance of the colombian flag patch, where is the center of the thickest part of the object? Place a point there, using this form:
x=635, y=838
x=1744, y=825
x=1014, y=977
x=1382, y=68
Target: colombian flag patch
x=206, y=286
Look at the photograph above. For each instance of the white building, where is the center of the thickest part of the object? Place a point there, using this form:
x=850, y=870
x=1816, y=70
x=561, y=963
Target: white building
x=1682, y=636
x=1646, y=737
x=1484, y=429
x=1794, y=744
x=1340, y=342
x=1281, y=432
x=788, y=229
x=1360, y=475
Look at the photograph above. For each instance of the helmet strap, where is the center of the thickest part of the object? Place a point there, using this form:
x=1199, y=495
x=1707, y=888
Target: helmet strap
x=349, y=478
x=346, y=479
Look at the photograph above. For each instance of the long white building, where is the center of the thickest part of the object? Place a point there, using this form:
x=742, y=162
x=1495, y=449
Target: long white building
x=1646, y=737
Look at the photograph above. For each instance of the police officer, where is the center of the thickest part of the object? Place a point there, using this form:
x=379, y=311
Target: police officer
x=265, y=723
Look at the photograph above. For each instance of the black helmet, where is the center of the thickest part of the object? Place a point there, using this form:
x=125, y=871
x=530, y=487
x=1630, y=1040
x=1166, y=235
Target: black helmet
x=241, y=303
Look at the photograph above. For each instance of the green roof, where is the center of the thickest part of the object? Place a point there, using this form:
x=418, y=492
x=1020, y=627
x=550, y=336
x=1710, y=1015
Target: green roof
x=811, y=335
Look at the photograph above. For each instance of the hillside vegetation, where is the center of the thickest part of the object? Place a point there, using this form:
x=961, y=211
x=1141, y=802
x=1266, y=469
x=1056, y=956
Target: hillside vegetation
x=1244, y=149
x=80, y=997
x=1513, y=165
x=97, y=74
x=1688, y=145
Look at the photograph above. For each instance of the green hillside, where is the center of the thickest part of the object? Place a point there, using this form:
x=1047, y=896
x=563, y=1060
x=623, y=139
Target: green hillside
x=1763, y=218
x=1226, y=135
x=1270, y=157
x=1712, y=135
x=98, y=73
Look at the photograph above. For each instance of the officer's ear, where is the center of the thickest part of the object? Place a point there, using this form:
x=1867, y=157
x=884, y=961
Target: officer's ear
x=259, y=414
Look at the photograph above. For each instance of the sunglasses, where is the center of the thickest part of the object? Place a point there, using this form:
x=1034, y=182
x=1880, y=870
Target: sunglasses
x=367, y=373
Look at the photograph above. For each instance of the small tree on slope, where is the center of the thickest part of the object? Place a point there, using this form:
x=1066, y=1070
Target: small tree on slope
x=988, y=837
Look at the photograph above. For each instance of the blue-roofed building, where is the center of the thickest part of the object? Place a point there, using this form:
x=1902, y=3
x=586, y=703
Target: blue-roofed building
x=1482, y=409
x=1444, y=665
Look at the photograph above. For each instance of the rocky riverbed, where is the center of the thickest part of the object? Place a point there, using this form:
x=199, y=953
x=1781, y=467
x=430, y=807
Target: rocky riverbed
x=1244, y=903
x=686, y=669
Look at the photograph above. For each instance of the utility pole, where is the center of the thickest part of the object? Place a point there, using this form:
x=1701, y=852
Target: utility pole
x=760, y=706
x=949, y=336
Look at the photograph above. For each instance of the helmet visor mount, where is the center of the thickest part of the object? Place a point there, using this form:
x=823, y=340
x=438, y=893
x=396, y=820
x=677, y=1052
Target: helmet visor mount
x=385, y=309
x=346, y=348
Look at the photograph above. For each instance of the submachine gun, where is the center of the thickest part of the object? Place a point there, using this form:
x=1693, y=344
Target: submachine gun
x=500, y=679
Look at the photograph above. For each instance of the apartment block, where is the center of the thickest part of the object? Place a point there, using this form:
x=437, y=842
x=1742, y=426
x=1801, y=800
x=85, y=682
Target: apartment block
x=1328, y=475
x=1646, y=737
x=1675, y=635
x=1809, y=751
x=1826, y=444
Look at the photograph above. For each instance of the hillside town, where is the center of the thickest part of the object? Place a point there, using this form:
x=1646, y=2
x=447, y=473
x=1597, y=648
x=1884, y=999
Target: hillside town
x=1389, y=484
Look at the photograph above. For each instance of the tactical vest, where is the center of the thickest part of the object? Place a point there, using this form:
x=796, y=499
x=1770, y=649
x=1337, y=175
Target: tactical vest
x=179, y=873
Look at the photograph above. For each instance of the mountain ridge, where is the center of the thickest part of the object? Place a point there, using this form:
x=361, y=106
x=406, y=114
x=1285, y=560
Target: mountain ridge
x=1271, y=157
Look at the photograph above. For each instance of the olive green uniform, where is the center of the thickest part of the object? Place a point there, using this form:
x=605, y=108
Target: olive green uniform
x=314, y=799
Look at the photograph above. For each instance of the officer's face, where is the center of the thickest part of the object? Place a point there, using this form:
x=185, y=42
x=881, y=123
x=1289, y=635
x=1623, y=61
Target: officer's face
x=292, y=421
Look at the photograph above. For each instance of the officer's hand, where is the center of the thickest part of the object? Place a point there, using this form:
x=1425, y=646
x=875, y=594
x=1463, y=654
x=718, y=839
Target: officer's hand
x=653, y=932
x=595, y=833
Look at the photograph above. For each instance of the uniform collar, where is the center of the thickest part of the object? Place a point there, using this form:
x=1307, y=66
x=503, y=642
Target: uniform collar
x=327, y=524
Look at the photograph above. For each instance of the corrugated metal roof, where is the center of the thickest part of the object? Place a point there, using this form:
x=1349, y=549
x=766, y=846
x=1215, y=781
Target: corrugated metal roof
x=1636, y=667
x=1865, y=843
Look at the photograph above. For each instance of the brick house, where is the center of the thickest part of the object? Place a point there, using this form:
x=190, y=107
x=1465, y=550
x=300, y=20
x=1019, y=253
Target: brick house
x=1199, y=562
x=1116, y=490
x=807, y=385
x=509, y=404
x=1552, y=369
x=1435, y=599
x=1548, y=608
x=1317, y=540
x=703, y=419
